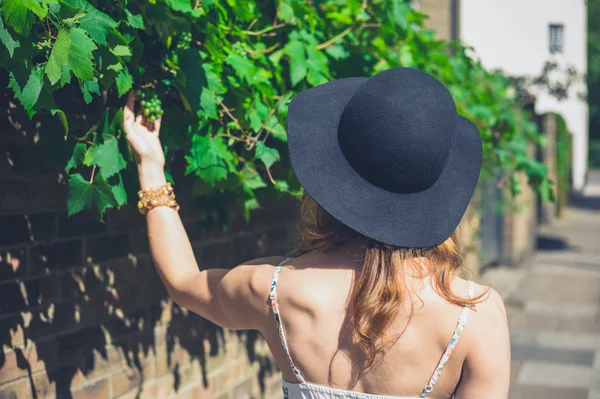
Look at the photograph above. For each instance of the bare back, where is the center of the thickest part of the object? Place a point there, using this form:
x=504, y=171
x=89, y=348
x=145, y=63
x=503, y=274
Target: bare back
x=314, y=303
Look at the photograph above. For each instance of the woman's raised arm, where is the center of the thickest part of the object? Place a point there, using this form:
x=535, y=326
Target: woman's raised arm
x=233, y=298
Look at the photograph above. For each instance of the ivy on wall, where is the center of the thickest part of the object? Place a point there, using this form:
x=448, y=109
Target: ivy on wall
x=222, y=73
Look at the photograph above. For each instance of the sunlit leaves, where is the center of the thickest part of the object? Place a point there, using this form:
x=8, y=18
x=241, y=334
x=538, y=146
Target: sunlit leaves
x=225, y=91
x=59, y=57
x=80, y=57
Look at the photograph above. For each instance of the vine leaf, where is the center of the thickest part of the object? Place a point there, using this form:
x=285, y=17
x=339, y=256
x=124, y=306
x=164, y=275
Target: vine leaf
x=16, y=14
x=119, y=192
x=30, y=93
x=124, y=81
x=84, y=195
x=295, y=50
x=59, y=57
x=135, y=21
x=88, y=88
x=95, y=23
x=107, y=156
x=121, y=51
x=77, y=157
x=266, y=154
x=80, y=57
x=210, y=159
x=10, y=43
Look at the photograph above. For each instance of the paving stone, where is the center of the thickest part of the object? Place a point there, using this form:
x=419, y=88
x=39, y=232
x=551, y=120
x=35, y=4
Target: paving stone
x=555, y=375
x=540, y=392
x=568, y=340
x=567, y=356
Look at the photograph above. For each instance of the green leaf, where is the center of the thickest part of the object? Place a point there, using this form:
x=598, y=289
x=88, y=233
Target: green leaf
x=80, y=58
x=266, y=154
x=63, y=119
x=406, y=57
x=210, y=159
x=16, y=14
x=95, y=23
x=208, y=104
x=10, y=43
x=107, y=156
x=84, y=195
x=295, y=50
x=337, y=52
x=124, y=82
x=59, y=57
x=121, y=51
x=119, y=192
x=77, y=157
x=30, y=93
x=135, y=21
x=180, y=5
x=88, y=88
x=245, y=69
x=252, y=179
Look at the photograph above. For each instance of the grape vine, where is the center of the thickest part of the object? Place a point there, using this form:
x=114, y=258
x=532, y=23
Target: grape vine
x=221, y=74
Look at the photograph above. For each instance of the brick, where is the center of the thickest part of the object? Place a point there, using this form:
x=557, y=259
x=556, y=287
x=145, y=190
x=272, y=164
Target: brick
x=103, y=248
x=54, y=319
x=17, y=390
x=12, y=299
x=13, y=332
x=100, y=361
x=14, y=196
x=125, y=219
x=243, y=390
x=20, y=362
x=13, y=263
x=98, y=390
x=19, y=296
x=138, y=242
x=81, y=224
x=48, y=194
x=56, y=256
x=126, y=380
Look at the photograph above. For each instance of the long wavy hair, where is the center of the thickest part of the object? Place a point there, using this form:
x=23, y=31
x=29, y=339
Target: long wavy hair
x=382, y=285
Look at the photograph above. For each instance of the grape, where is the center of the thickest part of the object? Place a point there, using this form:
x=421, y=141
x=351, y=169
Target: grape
x=151, y=105
x=184, y=41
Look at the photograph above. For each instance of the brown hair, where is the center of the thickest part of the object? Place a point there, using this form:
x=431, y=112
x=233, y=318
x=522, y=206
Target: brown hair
x=381, y=286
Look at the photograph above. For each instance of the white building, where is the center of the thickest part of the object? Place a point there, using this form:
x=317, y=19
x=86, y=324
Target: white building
x=519, y=36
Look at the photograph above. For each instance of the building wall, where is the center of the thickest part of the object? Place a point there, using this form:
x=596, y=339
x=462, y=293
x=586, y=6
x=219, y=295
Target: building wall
x=83, y=313
x=443, y=16
x=513, y=35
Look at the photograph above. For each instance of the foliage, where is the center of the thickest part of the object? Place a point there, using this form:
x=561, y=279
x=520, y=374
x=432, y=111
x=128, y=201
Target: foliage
x=593, y=70
x=225, y=72
x=563, y=162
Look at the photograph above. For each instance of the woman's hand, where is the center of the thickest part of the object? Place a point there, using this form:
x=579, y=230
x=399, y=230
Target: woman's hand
x=145, y=145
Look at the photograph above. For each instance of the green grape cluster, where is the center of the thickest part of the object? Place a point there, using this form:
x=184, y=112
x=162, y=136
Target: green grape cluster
x=241, y=48
x=184, y=41
x=151, y=105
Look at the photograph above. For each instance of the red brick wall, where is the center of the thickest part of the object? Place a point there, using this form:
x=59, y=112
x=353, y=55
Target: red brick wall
x=83, y=313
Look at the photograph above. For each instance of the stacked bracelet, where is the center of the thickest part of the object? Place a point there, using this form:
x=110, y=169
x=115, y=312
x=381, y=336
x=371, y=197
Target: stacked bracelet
x=150, y=198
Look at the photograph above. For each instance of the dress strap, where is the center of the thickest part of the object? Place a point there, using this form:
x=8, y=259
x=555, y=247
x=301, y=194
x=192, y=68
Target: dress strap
x=278, y=321
x=462, y=322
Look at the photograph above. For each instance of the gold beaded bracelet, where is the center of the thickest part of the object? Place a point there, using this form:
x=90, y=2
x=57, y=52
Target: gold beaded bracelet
x=151, y=198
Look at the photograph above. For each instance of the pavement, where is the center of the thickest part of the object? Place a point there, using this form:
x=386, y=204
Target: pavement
x=553, y=306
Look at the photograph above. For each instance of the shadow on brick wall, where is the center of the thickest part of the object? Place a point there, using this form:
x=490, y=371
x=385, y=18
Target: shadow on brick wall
x=84, y=314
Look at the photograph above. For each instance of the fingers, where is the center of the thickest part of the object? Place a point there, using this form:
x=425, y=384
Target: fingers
x=128, y=113
x=157, y=125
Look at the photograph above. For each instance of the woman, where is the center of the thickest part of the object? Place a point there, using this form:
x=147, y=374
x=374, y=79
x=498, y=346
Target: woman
x=372, y=306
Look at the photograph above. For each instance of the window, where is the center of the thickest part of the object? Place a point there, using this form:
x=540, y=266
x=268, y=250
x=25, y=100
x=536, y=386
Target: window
x=556, y=38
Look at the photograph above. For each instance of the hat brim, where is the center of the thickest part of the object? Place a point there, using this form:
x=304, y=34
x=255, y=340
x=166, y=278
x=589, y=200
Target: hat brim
x=410, y=220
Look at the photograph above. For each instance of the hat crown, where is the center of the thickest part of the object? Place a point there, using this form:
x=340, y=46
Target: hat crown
x=397, y=129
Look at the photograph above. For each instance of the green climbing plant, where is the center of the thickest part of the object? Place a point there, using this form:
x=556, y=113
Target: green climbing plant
x=223, y=73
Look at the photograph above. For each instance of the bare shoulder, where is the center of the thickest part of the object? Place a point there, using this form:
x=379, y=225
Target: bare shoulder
x=491, y=308
x=258, y=274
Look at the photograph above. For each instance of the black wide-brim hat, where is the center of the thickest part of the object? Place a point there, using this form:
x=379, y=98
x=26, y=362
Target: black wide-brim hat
x=388, y=156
